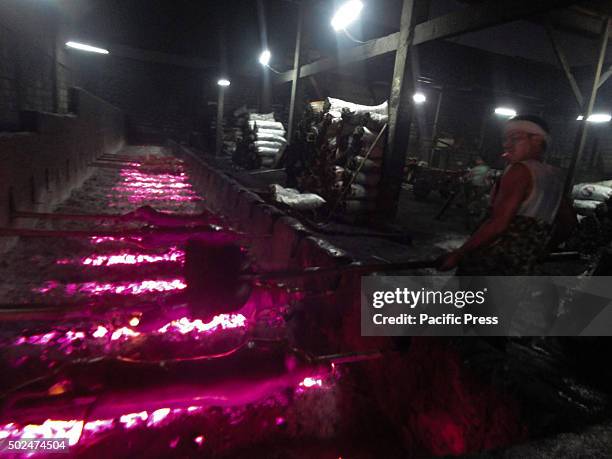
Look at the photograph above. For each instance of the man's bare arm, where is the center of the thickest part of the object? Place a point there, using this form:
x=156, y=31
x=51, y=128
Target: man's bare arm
x=512, y=192
x=513, y=189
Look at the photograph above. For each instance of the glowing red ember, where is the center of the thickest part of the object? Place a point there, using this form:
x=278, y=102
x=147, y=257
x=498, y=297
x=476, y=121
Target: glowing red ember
x=173, y=254
x=118, y=288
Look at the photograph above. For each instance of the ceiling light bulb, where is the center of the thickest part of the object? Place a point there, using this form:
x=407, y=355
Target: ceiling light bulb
x=265, y=56
x=346, y=14
x=419, y=98
x=505, y=111
x=84, y=47
x=598, y=118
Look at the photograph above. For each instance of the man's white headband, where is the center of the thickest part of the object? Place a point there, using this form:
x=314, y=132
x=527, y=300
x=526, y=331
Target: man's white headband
x=526, y=126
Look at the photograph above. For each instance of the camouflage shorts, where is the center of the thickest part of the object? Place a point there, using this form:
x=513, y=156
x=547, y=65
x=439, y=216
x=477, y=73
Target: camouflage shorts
x=514, y=253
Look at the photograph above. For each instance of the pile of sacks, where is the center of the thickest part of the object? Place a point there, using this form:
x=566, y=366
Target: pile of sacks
x=267, y=137
x=343, y=134
x=591, y=202
x=592, y=198
x=261, y=139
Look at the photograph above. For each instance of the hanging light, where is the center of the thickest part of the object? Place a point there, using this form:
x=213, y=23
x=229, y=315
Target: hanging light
x=346, y=14
x=419, y=98
x=264, y=57
x=84, y=47
x=505, y=111
x=223, y=82
x=597, y=118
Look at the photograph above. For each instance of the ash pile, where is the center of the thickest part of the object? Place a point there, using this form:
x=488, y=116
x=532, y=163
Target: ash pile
x=337, y=154
x=260, y=142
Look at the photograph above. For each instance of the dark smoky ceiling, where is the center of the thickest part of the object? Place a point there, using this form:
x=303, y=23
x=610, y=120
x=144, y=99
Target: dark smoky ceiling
x=230, y=29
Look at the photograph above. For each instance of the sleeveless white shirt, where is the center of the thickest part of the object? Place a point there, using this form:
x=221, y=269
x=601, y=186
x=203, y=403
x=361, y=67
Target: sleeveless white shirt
x=546, y=192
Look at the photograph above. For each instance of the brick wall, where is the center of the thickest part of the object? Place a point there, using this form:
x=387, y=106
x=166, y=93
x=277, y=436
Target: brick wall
x=39, y=168
x=34, y=74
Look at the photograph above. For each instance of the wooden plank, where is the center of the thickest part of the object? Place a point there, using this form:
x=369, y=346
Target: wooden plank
x=370, y=49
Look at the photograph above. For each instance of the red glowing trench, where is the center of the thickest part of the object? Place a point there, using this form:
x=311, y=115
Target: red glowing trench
x=139, y=186
x=81, y=431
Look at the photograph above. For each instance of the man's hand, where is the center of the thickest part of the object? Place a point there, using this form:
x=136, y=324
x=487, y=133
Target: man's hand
x=449, y=260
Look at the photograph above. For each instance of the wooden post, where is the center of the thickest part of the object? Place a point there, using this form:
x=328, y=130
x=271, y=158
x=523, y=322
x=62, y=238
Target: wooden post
x=581, y=136
x=434, y=130
x=297, y=62
x=400, y=116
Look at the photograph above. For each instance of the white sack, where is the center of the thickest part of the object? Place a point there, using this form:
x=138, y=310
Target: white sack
x=263, y=151
x=586, y=207
x=261, y=116
x=336, y=105
x=295, y=199
x=271, y=137
x=267, y=125
x=591, y=192
x=268, y=144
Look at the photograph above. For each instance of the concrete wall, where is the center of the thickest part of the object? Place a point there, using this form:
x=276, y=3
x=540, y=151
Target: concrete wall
x=34, y=73
x=40, y=167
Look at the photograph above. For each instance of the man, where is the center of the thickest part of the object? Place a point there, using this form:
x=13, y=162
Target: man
x=528, y=209
x=479, y=174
